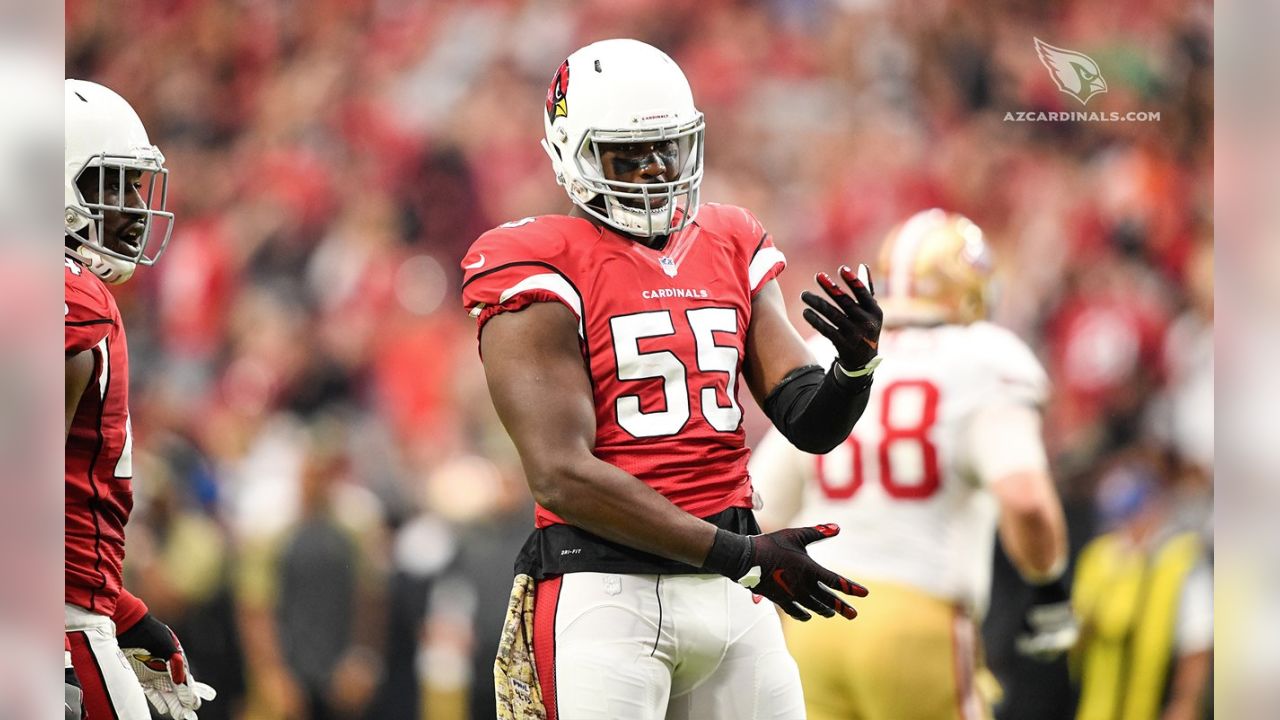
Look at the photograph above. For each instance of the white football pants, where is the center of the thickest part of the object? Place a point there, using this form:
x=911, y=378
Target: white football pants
x=111, y=690
x=655, y=647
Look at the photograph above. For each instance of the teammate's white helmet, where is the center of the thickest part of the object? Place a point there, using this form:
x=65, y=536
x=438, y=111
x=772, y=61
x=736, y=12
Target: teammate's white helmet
x=624, y=91
x=105, y=136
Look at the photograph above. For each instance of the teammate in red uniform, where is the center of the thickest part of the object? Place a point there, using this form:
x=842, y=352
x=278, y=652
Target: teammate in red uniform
x=115, y=191
x=613, y=340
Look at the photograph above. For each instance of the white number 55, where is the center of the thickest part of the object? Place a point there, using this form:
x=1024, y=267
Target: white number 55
x=632, y=364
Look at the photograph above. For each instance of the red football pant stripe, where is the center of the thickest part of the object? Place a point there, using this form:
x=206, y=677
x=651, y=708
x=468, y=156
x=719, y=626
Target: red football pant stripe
x=546, y=599
x=968, y=705
x=97, y=699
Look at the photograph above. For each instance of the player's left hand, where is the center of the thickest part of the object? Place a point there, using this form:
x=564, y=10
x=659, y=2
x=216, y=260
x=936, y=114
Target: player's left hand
x=853, y=323
x=1049, y=628
x=777, y=566
x=157, y=658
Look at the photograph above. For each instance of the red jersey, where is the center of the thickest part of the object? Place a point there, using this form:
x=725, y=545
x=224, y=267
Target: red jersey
x=662, y=332
x=99, y=455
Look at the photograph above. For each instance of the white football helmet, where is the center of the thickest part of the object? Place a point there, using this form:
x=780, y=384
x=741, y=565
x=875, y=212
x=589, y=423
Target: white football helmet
x=624, y=91
x=105, y=136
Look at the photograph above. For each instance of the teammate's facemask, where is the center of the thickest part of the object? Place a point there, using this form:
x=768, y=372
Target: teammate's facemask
x=935, y=268
x=614, y=108
x=115, y=185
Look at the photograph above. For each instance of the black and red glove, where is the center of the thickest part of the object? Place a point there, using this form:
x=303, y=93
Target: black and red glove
x=853, y=323
x=777, y=566
x=157, y=659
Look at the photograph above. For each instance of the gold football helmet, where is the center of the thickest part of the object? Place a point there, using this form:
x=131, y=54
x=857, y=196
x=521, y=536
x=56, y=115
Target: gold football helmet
x=937, y=269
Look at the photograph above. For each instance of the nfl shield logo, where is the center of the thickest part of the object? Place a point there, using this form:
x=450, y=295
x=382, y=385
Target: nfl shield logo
x=668, y=265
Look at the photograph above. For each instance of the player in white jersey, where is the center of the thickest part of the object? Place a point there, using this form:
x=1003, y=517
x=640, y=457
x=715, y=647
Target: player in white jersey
x=948, y=451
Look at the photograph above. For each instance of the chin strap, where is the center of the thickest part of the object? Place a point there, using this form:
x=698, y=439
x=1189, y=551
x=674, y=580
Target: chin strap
x=113, y=271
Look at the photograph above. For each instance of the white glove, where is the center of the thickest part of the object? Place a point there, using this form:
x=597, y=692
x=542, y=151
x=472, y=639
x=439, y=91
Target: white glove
x=1049, y=628
x=73, y=695
x=157, y=659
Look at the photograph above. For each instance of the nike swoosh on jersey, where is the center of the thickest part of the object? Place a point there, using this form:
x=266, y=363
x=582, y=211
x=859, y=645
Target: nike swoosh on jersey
x=476, y=264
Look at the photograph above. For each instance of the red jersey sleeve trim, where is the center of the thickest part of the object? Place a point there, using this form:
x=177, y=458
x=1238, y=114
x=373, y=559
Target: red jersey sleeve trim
x=87, y=314
x=81, y=336
x=129, y=610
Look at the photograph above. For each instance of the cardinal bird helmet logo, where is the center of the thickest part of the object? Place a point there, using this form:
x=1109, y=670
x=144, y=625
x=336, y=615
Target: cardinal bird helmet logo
x=1075, y=74
x=557, y=94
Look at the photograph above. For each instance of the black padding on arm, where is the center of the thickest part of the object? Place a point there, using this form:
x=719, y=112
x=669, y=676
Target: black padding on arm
x=814, y=410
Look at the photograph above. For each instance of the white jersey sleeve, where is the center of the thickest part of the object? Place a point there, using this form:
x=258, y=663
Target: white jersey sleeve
x=1002, y=440
x=1004, y=368
x=779, y=473
x=1001, y=435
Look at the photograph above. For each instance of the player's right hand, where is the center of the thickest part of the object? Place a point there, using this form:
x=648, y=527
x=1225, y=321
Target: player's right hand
x=853, y=323
x=777, y=566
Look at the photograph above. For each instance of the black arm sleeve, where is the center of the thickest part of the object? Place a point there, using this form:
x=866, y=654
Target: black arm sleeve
x=816, y=410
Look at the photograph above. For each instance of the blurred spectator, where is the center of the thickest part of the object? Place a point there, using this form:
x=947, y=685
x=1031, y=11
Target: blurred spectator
x=1105, y=338
x=1144, y=595
x=180, y=557
x=312, y=592
x=422, y=549
x=1183, y=414
x=491, y=512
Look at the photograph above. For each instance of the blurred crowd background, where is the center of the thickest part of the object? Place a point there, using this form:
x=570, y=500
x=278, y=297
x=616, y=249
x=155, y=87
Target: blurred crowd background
x=327, y=508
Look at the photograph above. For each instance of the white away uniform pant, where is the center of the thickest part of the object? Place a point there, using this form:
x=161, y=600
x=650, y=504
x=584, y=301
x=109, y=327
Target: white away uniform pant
x=111, y=690
x=654, y=647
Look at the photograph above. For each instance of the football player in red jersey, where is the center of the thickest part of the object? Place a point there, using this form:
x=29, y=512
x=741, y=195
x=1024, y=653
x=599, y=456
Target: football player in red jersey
x=115, y=194
x=613, y=340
